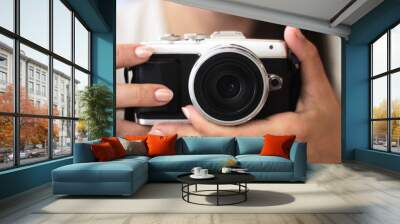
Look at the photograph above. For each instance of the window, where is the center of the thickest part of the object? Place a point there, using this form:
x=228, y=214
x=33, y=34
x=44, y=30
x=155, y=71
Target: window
x=30, y=87
x=30, y=72
x=385, y=91
x=41, y=124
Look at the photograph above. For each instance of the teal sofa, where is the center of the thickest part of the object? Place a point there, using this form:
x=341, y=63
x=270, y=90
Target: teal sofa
x=125, y=176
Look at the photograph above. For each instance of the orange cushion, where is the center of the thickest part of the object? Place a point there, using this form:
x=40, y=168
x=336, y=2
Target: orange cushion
x=103, y=152
x=116, y=145
x=277, y=145
x=136, y=137
x=161, y=145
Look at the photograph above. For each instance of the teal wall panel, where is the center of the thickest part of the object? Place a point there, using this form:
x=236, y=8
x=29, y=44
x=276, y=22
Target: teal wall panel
x=24, y=178
x=355, y=84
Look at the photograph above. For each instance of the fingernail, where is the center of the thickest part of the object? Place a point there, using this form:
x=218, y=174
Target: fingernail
x=156, y=132
x=163, y=95
x=143, y=52
x=299, y=34
x=186, y=112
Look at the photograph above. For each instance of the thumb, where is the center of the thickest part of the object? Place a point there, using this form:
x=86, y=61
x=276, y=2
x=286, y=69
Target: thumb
x=312, y=70
x=201, y=124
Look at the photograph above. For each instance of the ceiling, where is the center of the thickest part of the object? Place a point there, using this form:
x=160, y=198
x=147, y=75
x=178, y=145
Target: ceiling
x=325, y=16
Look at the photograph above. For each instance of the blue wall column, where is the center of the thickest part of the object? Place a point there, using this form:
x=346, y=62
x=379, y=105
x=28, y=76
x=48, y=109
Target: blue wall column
x=355, y=83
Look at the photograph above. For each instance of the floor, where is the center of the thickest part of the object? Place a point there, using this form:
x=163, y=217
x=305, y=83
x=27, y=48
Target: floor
x=351, y=181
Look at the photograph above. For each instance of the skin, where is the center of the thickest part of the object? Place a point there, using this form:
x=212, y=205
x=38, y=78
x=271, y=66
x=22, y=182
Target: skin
x=315, y=121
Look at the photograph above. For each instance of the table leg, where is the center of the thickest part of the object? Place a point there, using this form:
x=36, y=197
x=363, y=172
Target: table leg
x=217, y=194
x=245, y=193
x=196, y=187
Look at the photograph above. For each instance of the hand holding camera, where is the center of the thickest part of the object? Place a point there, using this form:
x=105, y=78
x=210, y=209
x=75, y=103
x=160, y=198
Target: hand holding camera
x=316, y=118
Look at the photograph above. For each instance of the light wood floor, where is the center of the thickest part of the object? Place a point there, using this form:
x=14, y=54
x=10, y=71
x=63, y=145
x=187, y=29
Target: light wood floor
x=351, y=181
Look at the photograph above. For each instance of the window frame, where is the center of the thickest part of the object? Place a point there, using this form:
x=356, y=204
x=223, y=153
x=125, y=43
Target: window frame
x=16, y=115
x=388, y=74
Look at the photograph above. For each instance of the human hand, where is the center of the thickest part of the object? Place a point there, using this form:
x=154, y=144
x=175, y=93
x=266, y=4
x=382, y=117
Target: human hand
x=137, y=95
x=315, y=121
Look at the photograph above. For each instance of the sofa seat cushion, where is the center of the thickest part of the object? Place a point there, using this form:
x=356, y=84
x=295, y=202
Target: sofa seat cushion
x=194, y=145
x=113, y=171
x=185, y=163
x=257, y=163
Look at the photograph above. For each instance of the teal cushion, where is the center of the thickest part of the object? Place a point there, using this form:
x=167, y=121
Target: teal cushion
x=249, y=145
x=257, y=163
x=111, y=171
x=206, y=145
x=83, y=152
x=185, y=163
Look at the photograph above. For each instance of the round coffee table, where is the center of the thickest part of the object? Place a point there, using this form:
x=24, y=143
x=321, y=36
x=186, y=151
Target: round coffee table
x=238, y=179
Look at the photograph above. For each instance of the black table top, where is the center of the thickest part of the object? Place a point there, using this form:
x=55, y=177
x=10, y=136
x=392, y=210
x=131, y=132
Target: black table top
x=220, y=178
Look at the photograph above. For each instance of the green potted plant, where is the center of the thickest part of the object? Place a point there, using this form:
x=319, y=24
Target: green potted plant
x=96, y=104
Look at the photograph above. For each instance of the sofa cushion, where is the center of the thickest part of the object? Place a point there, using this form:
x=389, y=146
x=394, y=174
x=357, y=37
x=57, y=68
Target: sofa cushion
x=83, y=152
x=257, y=163
x=206, y=145
x=249, y=145
x=103, y=152
x=116, y=145
x=161, y=145
x=112, y=171
x=277, y=145
x=185, y=163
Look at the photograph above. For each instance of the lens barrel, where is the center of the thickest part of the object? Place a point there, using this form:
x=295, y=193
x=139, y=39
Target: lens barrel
x=228, y=85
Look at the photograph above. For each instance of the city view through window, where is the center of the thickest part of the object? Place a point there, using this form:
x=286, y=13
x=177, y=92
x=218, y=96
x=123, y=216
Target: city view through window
x=385, y=91
x=40, y=84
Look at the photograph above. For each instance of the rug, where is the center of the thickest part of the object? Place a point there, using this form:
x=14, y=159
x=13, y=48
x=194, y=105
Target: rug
x=166, y=198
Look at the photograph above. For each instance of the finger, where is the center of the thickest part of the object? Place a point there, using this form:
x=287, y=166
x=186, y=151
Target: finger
x=174, y=128
x=142, y=95
x=288, y=123
x=132, y=54
x=130, y=128
x=313, y=73
x=203, y=126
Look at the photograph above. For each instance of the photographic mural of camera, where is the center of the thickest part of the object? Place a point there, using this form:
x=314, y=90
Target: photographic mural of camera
x=229, y=79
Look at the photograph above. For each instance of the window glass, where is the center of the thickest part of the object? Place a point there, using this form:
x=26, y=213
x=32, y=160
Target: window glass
x=379, y=97
x=395, y=95
x=7, y=14
x=39, y=62
x=34, y=21
x=33, y=140
x=395, y=47
x=379, y=55
x=81, y=45
x=81, y=81
x=379, y=135
x=81, y=131
x=62, y=91
x=62, y=137
x=62, y=29
x=395, y=136
x=6, y=74
x=6, y=142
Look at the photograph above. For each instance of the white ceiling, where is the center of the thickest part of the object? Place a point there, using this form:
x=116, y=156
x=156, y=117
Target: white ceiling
x=325, y=16
x=320, y=9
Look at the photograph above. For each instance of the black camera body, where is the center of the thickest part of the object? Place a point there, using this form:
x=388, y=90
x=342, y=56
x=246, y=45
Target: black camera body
x=229, y=79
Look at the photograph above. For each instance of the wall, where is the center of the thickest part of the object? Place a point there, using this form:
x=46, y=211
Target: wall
x=355, y=83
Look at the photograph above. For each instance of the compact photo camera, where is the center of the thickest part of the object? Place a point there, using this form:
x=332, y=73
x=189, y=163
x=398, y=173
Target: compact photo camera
x=229, y=79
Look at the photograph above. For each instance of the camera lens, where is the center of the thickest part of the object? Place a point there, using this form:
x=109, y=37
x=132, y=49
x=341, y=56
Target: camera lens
x=228, y=87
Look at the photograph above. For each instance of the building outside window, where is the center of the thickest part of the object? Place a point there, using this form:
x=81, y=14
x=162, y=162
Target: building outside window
x=57, y=127
x=385, y=91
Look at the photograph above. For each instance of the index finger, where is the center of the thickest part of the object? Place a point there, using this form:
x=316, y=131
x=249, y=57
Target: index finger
x=132, y=54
